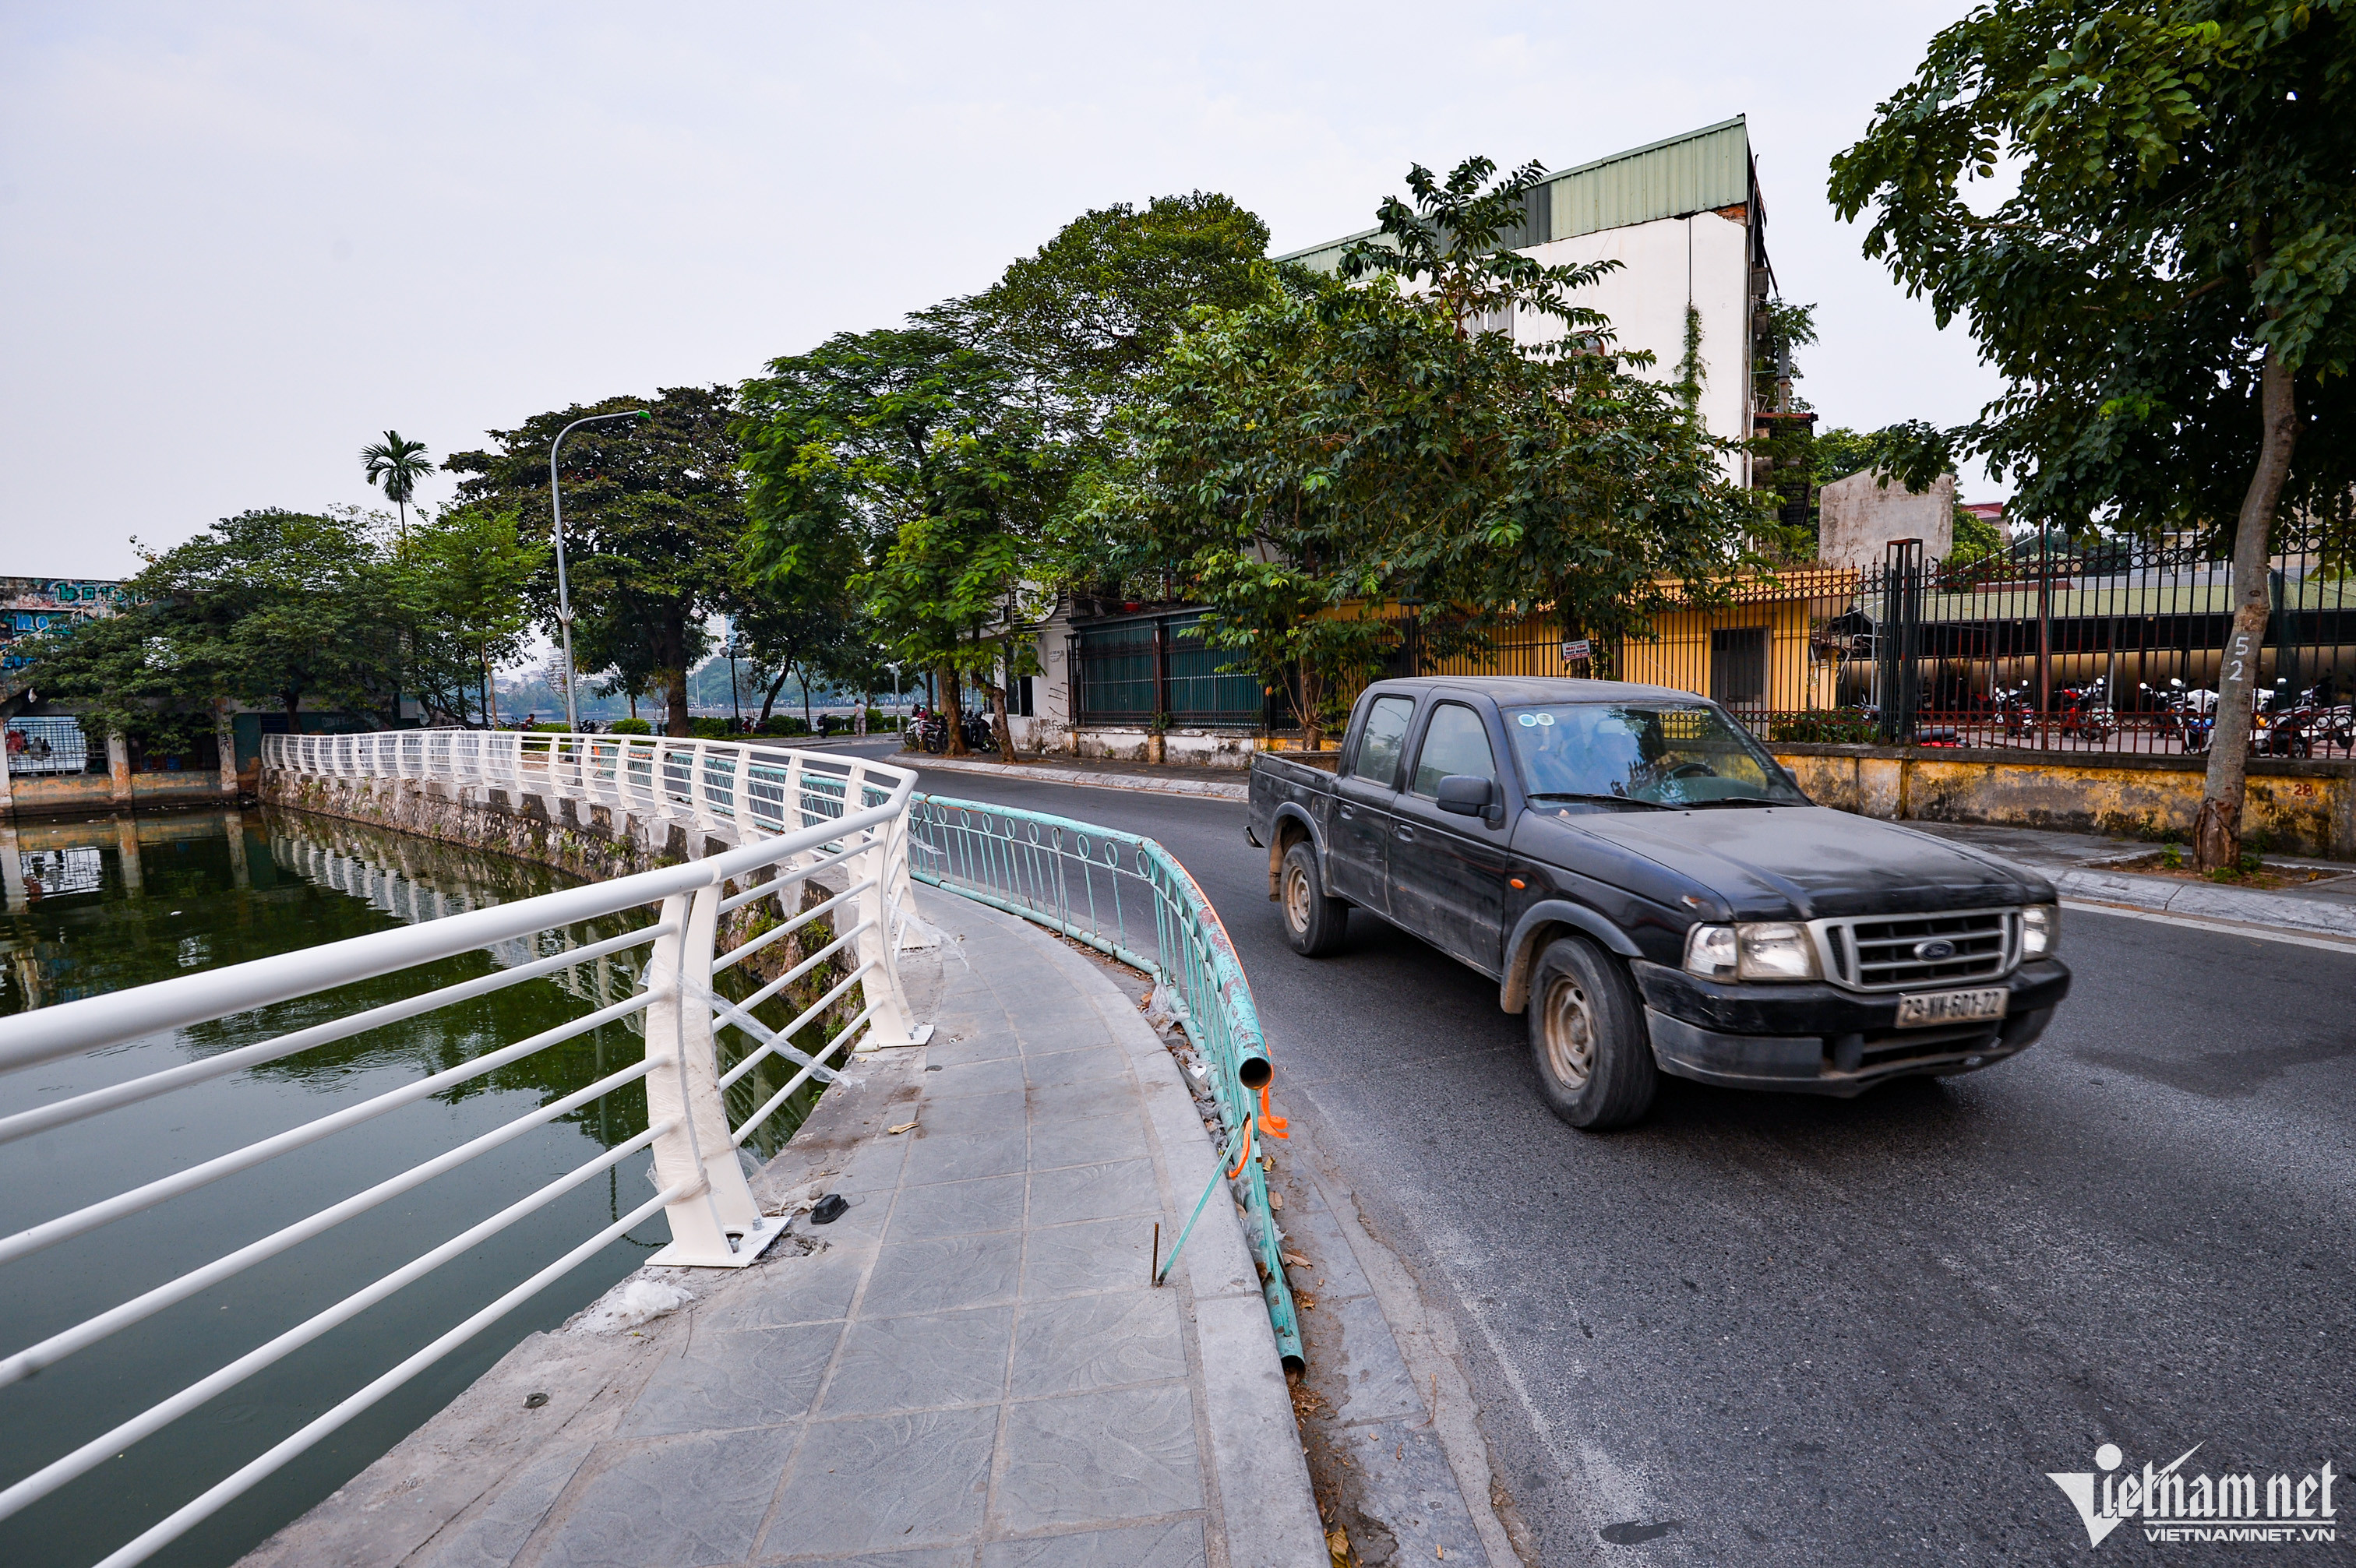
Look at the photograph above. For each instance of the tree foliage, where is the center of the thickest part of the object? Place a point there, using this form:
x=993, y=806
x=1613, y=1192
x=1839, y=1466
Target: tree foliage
x=270, y=608
x=465, y=575
x=654, y=512
x=1081, y=320
x=1336, y=443
x=2166, y=291
x=912, y=467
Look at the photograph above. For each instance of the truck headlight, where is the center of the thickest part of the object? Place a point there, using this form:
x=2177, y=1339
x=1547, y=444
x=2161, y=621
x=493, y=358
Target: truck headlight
x=1709, y=952
x=1761, y=950
x=1775, y=951
x=2040, y=930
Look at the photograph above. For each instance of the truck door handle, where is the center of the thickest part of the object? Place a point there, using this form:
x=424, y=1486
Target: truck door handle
x=1406, y=832
x=1347, y=814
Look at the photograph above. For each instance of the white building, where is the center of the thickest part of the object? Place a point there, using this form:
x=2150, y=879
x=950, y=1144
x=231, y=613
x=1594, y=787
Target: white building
x=1684, y=220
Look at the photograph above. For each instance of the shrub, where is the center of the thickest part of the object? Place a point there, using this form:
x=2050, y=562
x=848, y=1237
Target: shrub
x=708, y=728
x=784, y=724
x=1841, y=726
x=550, y=729
x=630, y=727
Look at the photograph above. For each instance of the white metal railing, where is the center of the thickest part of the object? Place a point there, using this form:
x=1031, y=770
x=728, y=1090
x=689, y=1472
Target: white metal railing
x=797, y=815
x=703, y=784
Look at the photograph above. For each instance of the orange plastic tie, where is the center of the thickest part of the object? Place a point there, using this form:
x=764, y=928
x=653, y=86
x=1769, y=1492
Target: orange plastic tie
x=1247, y=1154
x=1270, y=1119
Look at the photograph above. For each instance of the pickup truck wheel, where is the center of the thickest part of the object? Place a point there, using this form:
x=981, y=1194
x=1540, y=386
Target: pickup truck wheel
x=1588, y=1038
x=1314, y=923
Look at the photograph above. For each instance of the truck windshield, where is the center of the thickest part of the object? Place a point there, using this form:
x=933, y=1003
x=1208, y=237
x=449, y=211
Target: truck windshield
x=1651, y=754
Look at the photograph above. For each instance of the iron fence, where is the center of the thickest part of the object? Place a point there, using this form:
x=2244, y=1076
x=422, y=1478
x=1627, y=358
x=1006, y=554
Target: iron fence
x=1126, y=671
x=2109, y=647
x=1129, y=897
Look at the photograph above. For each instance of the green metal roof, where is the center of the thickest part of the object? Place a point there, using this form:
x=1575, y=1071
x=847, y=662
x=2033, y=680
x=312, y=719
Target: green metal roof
x=1698, y=172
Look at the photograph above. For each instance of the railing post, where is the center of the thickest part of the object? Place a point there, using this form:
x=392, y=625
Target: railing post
x=719, y=1224
x=698, y=800
x=882, y=864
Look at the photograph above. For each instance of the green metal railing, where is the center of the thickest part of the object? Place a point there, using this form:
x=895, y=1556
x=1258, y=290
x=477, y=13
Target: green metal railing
x=1129, y=897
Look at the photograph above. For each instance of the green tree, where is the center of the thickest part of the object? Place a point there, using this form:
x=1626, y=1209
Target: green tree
x=654, y=514
x=265, y=607
x=396, y=465
x=1335, y=443
x=1078, y=322
x=910, y=466
x=2166, y=291
x=467, y=575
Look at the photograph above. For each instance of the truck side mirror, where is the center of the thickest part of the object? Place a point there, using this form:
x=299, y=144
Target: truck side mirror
x=1465, y=795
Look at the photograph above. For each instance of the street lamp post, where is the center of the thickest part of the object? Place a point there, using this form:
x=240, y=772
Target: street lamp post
x=563, y=593
x=735, y=702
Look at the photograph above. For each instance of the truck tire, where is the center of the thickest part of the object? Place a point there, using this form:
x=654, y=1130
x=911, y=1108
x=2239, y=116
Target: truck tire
x=1314, y=923
x=1587, y=1040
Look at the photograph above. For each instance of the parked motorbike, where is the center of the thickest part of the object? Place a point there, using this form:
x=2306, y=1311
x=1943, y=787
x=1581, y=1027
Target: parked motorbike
x=928, y=732
x=980, y=734
x=2084, y=713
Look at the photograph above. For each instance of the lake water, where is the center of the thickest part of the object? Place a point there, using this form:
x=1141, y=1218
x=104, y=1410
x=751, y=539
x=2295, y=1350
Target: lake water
x=116, y=903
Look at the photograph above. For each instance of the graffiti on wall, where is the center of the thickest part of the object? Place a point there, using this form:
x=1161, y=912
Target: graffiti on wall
x=30, y=605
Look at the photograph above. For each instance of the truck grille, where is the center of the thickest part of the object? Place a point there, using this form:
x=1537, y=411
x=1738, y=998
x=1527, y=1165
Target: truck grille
x=1887, y=953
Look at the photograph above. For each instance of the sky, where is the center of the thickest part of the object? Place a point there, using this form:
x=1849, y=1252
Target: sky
x=239, y=241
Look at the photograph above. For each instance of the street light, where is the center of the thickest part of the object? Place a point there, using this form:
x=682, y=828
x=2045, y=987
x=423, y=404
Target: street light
x=735, y=703
x=563, y=593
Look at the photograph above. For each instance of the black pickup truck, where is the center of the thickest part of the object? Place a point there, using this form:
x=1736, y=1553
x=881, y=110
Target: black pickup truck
x=1655, y=892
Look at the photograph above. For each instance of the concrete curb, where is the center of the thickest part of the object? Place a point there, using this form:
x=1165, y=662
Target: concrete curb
x=1148, y=783
x=2208, y=901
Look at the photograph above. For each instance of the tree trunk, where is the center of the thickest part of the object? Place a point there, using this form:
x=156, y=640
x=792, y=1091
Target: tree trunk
x=953, y=710
x=2217, y=833
x=998, y=722
x=808, y=723
x=675, y=693
x=294, y=713
x=770, y=699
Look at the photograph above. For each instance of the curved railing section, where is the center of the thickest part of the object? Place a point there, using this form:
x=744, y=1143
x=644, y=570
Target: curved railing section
x=1128, y=896
x=820, y=839
x=753, y=787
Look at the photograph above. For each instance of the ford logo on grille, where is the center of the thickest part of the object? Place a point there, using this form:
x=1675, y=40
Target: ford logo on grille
x=1931, y=952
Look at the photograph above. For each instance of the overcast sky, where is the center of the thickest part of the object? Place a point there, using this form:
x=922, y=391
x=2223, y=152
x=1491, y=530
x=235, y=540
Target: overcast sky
x=237, y=242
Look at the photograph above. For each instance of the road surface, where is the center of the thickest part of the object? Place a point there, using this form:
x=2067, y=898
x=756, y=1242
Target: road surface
x=1775, y=1329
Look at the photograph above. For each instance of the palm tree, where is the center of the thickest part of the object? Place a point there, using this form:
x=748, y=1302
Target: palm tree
x=396, y=463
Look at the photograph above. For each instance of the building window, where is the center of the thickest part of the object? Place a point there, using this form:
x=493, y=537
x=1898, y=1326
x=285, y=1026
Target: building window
x=1738, y=667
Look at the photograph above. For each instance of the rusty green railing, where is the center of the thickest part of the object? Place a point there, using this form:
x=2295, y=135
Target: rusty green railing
x=1129, y=897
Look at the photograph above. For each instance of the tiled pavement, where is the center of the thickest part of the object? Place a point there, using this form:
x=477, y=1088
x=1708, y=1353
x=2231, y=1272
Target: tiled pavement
x=975, y=1370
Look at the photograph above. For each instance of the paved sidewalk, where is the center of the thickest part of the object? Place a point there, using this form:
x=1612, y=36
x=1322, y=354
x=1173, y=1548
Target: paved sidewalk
x=969, y=1369
x=2081, y=866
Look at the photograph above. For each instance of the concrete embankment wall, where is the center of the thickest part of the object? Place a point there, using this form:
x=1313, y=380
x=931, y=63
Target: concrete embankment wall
x=2301, y=807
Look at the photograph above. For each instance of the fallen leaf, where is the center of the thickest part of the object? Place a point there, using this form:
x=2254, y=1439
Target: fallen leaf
x=1276, y=1199
x=903, y=1127
x=1294, y=1259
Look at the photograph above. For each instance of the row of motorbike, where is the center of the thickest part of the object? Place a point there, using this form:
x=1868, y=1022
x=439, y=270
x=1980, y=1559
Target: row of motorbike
x=928, y=731
x=2283, y=724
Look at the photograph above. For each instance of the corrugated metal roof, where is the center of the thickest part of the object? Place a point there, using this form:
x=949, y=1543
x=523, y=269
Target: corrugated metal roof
x=1698, y=172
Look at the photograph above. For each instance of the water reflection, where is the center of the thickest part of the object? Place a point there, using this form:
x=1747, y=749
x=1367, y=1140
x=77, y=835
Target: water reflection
x=96, y=906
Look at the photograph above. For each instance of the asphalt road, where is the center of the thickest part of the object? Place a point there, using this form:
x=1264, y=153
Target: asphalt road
x=1773, y=1329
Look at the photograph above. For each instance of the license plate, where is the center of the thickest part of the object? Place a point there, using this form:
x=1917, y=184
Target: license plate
x=1951, y=1006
